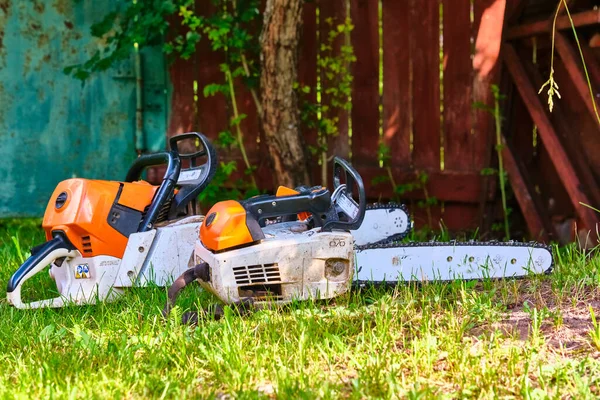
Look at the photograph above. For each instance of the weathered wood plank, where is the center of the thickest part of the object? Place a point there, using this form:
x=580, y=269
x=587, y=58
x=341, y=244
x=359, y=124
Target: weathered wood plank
x=574, y=147
x=584, y=18
x=182, y=74
x=572, y=62
x=458, y=217
x=338, y=145
x=487, y=31
x=549, y=137
x=593, y=66
x=365, y=91
x=459, y=142
x=397, y=107
x=307, y=76
x=426, y=84
x=487, y=34
x=455, y=217
x=213, y=111
x=539, y=227
x=183, y=110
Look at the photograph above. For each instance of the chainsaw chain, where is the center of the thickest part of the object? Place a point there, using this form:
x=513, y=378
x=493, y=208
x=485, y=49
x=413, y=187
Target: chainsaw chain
x=392, y=241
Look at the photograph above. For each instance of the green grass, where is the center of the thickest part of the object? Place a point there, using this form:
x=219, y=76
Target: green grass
x=530, y=338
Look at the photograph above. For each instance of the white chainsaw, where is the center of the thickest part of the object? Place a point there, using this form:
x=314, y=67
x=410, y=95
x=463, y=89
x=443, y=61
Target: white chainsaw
x=105, y=236
x=321, y=250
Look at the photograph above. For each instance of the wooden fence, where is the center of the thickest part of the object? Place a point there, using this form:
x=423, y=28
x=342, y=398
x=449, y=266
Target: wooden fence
x=437, y=59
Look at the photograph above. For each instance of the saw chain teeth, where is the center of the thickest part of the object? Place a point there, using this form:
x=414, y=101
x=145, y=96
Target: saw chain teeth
x=389, y=205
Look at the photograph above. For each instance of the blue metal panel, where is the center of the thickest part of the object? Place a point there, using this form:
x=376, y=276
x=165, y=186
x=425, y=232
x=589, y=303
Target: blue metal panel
x=53, y=127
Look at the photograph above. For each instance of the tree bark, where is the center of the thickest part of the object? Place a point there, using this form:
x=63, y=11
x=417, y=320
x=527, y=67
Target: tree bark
x=279, y=71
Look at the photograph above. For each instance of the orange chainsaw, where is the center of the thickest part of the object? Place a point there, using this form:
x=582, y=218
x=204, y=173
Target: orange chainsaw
x=104, y=236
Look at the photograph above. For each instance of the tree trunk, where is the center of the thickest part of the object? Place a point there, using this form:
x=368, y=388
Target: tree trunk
x=279, y=71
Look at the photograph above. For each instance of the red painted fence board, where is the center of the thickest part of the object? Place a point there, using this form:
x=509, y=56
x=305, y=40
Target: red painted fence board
x=426, y=84
x=365, y=94
x=459, y=142
x=397, y=107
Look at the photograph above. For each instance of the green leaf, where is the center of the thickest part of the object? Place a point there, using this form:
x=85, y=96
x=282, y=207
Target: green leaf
x=236, y=121
x=214, y=88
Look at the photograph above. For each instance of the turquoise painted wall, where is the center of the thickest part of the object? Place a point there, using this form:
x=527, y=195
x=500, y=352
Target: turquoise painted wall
x=53, y=127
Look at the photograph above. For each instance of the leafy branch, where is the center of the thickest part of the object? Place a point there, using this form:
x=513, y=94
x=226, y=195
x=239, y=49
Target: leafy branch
x=146, y=23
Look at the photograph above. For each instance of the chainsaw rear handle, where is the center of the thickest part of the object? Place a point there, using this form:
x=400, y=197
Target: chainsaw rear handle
x=351, y=178
x=317, y=203
x=56, y=248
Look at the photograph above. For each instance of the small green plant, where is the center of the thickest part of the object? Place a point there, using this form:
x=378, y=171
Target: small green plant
x=228, y=32
x=537, y=319
x=419, y=183
x=502, y=176
x=222, y=187
x=333, y=91
x=595, y=331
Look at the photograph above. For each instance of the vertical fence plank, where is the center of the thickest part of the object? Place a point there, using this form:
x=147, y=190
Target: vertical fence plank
x=182, y=74
x=339, y=144
x=183, y=112
x=396, y=82
x=487, y=34
x=213, y=110
x=307, y=76
x=459, y=143
x=365, y=92
x=426, y=84
x=488, y=20
x=249, y=125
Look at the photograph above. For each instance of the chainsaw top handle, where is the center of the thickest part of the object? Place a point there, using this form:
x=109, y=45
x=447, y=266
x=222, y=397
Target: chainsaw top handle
x=190, y=181
x=195, y=177
x=346, y=213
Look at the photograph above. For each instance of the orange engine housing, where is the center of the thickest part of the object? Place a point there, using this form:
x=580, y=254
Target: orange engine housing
x=85, y=213
x=226, y=226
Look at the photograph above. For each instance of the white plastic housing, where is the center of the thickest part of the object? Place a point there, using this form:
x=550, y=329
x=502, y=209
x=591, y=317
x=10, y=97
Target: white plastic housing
x=291, y=263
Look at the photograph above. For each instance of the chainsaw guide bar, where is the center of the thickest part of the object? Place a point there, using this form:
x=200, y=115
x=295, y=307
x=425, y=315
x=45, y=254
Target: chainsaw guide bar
x=383, y=223
x=392, y=262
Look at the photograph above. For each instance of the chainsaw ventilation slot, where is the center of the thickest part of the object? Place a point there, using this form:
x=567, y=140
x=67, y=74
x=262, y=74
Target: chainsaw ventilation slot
x=261, y=292
x=251, y=274
x=87, y=244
